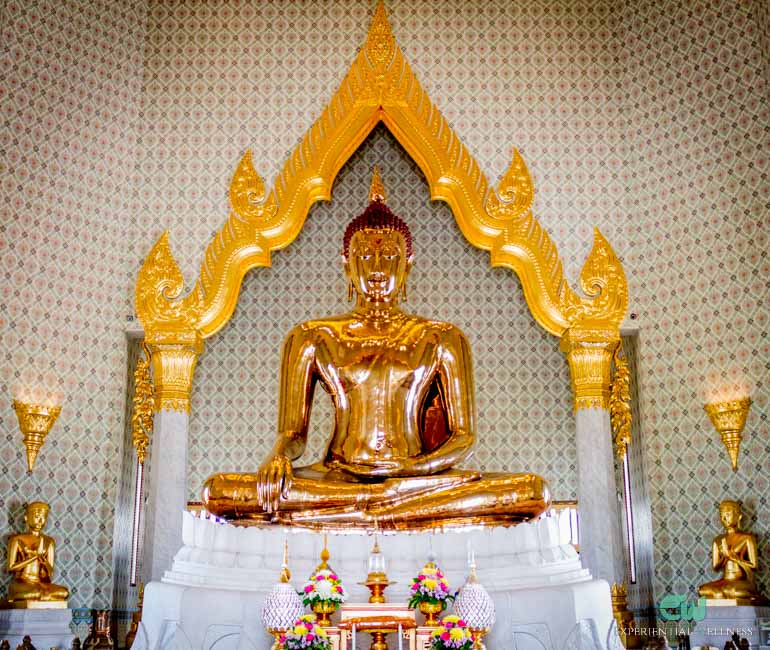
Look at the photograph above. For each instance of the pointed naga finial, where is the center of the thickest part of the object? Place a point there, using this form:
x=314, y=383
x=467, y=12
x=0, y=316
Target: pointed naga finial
x=285, y=573
x=380, y=43
x=377, y=189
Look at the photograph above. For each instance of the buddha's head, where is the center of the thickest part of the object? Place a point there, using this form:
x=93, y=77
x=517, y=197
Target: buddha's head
x=36, y=516
x=377, y=252
x=730, y=514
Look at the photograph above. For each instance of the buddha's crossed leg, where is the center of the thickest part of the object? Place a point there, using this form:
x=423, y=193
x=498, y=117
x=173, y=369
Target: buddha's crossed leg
x=327, y=498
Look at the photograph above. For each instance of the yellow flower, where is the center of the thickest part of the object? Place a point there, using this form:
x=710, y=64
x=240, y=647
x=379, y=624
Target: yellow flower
x=451, y=619
x=430, y=583
x=300, y=629
x=456, y=634
x=320, y=631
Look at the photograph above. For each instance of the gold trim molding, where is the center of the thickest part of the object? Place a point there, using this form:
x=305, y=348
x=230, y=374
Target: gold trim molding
x=620, y=403
x=143, y=401
x=381, y=87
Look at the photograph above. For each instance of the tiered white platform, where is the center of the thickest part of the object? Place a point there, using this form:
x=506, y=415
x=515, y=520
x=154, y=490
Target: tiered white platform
x=212, y=595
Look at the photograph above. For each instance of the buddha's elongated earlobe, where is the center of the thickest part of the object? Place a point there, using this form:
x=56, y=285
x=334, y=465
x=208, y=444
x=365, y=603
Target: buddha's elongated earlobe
x=350, y=290
x=403, y=292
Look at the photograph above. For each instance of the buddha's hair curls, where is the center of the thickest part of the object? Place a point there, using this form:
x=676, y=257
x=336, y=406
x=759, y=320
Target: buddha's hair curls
x=377, y=217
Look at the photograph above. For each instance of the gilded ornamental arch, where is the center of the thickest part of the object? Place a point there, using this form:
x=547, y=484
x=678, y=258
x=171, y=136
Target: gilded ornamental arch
x=381, y=87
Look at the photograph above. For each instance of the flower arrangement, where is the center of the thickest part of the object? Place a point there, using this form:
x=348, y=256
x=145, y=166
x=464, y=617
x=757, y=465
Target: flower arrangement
x=430, y=586
x=452, y=633
x=305, y=635
x=324, y=585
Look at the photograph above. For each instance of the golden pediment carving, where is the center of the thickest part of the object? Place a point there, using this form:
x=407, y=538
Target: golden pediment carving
x=381, y=87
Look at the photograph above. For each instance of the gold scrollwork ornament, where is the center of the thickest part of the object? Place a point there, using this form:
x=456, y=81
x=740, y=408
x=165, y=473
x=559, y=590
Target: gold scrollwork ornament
x=620, y=403
x=142, y=417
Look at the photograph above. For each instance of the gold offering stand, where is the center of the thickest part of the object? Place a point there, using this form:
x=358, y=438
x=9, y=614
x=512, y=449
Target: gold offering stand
x=377, y=617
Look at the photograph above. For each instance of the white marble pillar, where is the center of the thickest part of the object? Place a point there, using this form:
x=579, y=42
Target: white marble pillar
x=167, y=493
x=601, y=540
x=589, y=354
x=173, y=356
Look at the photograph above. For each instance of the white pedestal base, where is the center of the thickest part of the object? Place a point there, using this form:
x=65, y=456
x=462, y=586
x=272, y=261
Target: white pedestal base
x=48, y=628
x=212, y=596
x=722, y=621
x=195, y=618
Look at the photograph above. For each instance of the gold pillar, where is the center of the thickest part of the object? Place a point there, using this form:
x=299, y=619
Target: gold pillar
x=589, y=354
x=173, y=365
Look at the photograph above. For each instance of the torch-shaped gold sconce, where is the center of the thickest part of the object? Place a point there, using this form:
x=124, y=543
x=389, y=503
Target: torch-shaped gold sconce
x=728, y=419
x=35, y=421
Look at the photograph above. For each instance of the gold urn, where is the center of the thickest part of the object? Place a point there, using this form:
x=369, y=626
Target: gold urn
x=323, y=609
x=431, y=612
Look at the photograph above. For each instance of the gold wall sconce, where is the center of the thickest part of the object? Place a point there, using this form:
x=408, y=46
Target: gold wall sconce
x=729, y=419
x=35, y=422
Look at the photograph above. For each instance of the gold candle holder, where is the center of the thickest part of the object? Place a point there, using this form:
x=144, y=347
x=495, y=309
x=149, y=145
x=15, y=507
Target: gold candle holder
x=729, y=419
x=478, y=638
x=35, y=422
x=277, y=634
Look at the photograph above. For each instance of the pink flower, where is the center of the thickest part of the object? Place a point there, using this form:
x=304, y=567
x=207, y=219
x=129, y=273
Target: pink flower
x=308, y=625
x=308, y=588
x=309, y=637
x=445, y=636
x=461, y=623
x=333, y=577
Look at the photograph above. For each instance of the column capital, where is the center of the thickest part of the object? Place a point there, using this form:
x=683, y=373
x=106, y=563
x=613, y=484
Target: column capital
x=589, y=355
x=174, y=355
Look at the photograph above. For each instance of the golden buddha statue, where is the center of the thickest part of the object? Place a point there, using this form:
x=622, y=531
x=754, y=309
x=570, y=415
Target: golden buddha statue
x=735, y=553
x=402, y=391
x=31, y=559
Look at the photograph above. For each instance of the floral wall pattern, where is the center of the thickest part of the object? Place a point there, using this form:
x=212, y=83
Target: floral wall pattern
x=696, y=165
x=71, y=78
x=646, y=119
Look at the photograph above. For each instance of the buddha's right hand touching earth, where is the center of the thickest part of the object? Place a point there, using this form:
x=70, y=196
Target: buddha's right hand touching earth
x=273, y=481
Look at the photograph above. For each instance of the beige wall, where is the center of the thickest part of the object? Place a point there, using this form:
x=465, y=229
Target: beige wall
x=601, y=98
x=71, y=74
x=696, y=113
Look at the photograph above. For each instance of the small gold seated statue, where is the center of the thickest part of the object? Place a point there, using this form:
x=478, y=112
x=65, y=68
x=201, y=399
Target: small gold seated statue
x=31, y=562
x=402, y=391
x=735, y=553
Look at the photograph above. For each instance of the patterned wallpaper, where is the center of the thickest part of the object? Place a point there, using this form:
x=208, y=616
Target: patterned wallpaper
x=648, y=119
x=696, y=110
x=70, y=73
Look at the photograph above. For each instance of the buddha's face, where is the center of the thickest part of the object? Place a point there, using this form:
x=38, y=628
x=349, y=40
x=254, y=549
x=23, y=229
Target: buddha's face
x=377, y=264
x=36, y=517
x=730, y=515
